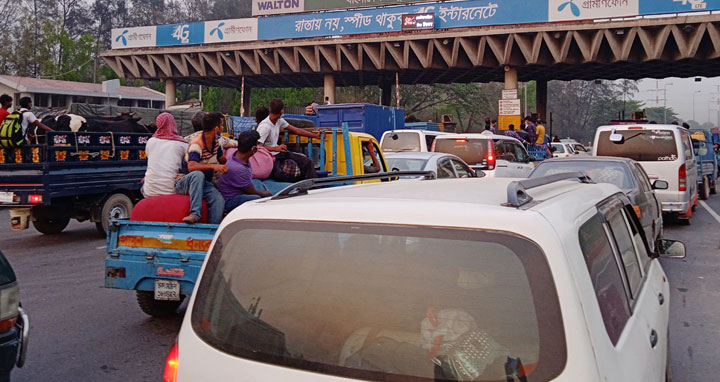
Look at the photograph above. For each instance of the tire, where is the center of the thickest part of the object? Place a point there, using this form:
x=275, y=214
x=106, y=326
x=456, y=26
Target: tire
x=704, y=189
x=685, y=221
x=157, y=308
x=117, y=206
x=51, y=226
x=713, y=187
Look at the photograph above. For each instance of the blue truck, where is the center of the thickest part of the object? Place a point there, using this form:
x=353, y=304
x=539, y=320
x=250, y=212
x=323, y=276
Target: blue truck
x=707, y=162
x=84, y=176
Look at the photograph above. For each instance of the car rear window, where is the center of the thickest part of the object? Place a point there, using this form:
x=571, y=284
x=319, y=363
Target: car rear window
x=397, y=142
x=472, y=151
x=599, y=171
x=641, y=145
x=378, y=302
x=406, y=164
x=559, y=147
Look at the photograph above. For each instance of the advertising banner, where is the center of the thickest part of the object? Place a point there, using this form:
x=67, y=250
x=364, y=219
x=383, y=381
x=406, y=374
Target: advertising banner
x=181, y=34
x=275, y=7
x=133, y=37
x=231, y=30
x=317, y=5
x=424, y=21
x=572, y=10
x=651, y=7
x=454, y=14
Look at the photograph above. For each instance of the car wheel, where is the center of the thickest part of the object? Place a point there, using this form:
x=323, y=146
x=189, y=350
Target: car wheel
x=156, y=308
x=117, y=206
x=685, y=221
x=713, y=187
x=51, y=226
x=705, y=189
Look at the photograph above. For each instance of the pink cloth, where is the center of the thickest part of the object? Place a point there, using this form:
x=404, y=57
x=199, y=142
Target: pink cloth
x=166, y=128
x=262, y=163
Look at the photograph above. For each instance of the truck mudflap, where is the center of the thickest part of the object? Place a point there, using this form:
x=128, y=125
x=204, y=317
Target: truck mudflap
x=142, y=253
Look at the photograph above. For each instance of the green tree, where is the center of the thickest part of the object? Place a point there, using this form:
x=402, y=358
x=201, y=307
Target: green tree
x=661, y=114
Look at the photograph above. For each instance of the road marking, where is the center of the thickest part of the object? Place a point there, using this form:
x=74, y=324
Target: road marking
x=103, y=247
x=710, y=210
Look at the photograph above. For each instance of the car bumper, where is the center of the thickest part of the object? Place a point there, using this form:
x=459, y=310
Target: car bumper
x=10, y=343
x=675, y=207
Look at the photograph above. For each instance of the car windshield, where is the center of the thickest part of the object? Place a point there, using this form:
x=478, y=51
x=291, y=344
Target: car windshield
x=641, y=145
x=559, y=147
x=397, y=142
x=374, y=302
x=472, y=151
x=406, y=164
x=599, y=171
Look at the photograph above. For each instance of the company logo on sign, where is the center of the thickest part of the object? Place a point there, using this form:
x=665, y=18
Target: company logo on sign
x=122, y=37
x=133, y=37
x=231, y=30
x=273, y=7
x=571, y=10
x=182, y=33
x=217, y=31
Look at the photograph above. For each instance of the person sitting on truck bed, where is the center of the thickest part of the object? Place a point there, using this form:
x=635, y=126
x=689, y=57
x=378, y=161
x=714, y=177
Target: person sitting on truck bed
x=236, y=185
x=225, y=142
x=165, y=152
x=5, y=104
x=28, y=118
x=204, y=157
x=270, y=129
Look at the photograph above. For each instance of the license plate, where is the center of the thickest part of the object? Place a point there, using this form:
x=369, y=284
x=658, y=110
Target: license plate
x=168, y=290
x=6, y=197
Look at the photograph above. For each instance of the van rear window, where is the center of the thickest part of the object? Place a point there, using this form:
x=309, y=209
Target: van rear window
x=401, y=142
x=640, y=145
x=378, y=302
x=472, y=151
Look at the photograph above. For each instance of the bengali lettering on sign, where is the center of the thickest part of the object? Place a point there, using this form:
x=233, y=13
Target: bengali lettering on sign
x=275, y=7
x=133, y=37
x=389, y=19
x=318, y=5
x=231, y=30
x=509, y=107
x=571, y=10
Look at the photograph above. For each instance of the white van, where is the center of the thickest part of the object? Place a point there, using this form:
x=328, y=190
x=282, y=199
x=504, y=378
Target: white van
x=396, y=141
x=665, y=152
x=498, y=156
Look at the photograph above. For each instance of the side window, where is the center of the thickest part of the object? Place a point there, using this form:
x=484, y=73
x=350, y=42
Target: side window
x=444, y=169
x=626, y=249
x=509, y=152
x=687, y=145
x=605, y=276
x=644, y=180
x=520, y=153
x=429, y=139
x=640, y=248
x=461, y=170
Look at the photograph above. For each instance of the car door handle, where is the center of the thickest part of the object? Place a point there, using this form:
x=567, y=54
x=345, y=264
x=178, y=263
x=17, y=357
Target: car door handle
x=661, y=298
x=653, y=338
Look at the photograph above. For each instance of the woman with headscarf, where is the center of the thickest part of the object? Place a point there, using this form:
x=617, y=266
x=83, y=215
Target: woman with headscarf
x=165, y=152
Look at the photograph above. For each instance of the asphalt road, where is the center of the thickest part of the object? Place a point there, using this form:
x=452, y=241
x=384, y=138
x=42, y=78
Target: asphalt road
x=81, y=331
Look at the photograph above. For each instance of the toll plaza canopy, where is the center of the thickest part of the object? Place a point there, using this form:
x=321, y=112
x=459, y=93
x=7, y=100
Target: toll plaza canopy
x=440, y=42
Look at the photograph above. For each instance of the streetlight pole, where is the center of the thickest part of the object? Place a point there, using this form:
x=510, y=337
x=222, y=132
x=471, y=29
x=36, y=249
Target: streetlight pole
x=665, y=102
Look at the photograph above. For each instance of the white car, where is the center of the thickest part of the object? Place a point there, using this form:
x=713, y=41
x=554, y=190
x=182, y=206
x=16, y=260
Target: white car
x=577, y=147
x=443, y=165
x=665, y=152
x=562, y=150
x=492, y=279
x=498, y=156
x=408, y=140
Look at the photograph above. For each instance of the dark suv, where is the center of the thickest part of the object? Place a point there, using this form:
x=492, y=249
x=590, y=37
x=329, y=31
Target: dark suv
x=14, y=324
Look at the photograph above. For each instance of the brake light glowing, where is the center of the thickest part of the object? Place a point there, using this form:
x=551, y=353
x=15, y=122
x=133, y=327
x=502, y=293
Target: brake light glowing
x=461, y=140
x=35, y=199
x=491, y=157
x=635, y=128
x=682, y=178
x=171, y=366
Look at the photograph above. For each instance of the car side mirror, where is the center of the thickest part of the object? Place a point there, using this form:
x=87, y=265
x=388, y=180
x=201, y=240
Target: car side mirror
x=671, y=249
x=616, y=138
x=553, y=149
x=660, y=185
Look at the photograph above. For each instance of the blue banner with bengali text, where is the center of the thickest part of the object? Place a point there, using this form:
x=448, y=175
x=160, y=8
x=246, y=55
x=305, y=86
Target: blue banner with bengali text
x=181, y=34
x=654, y=7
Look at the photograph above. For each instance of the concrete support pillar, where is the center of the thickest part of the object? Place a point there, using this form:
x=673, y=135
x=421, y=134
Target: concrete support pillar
x=169, y=92
x=330, y=88
x=541, y=99
x=511, y=78
x=246, y=102
x=386, y=97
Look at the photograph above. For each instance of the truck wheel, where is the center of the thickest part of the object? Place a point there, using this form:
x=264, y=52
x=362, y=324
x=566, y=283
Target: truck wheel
x=705, y=189
x=713, y=187
x=156, y=308
x=51, y=226
x=117, y=206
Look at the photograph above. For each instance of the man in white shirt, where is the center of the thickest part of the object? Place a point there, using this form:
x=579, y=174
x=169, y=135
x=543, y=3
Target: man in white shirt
x=28, y=118
x=270, y=129
x=165, y=153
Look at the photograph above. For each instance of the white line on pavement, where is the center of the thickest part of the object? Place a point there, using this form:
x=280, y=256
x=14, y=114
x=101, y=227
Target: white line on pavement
x=103, y=247
x=710, y=210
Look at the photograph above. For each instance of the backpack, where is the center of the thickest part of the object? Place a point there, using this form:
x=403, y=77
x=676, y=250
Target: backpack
x=11, y=134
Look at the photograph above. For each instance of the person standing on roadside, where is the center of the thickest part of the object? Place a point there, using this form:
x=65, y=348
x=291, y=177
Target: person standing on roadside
x=531, y=129
x=540, y=133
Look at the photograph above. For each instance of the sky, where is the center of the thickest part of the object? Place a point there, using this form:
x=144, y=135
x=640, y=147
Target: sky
x=681, y=94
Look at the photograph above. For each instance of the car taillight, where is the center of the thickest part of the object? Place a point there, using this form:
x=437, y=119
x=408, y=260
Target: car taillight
x=491, y=158
x=682, y=178
x=8, y=307
x=35, y=199
x=171, y=366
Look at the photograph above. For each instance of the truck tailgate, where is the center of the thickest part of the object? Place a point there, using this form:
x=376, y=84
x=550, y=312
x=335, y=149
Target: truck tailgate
x=140, y=252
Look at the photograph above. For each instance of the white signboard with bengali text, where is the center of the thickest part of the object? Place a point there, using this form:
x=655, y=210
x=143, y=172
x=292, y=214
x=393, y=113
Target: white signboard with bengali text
x=231, y=30
x=276, y=7
x=509, y=107
x=133, y=37
x=509, y=94
x=571, y=10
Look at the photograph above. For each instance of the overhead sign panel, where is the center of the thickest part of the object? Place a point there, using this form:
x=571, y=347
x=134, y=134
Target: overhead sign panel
x=454, y=14
x=133, y=37
x=181, y=34
x=275, y=7
x=231, y=30
x=649, y=7
x=423, y=21
x=572, y=10
x=317, y=5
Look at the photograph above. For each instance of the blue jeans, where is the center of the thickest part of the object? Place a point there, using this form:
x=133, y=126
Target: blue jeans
x=195, y=185
x=270, y=185
x=237, y=200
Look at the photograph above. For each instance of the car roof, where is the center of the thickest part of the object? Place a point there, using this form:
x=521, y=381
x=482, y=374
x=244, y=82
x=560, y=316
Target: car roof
x=417, y=155
x=643, y=125
x=485, y=135
x=454, y=202
x=432, y=132
x=589, y=158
